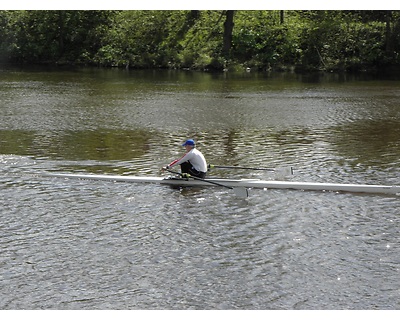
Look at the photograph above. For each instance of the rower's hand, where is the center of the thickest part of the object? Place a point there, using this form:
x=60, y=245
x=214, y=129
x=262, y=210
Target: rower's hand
x=164, y=168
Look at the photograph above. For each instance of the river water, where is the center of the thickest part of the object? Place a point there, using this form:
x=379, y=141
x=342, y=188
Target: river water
x=77, y=244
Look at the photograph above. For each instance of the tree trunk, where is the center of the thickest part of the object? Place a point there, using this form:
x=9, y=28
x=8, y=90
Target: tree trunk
x=228, y=29
x=61, y=19
x=388, y=36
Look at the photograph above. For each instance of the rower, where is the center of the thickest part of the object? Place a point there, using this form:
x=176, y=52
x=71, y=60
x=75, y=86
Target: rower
x=192, y=162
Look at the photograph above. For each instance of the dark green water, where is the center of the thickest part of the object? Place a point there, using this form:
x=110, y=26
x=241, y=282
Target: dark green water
x=97, y=245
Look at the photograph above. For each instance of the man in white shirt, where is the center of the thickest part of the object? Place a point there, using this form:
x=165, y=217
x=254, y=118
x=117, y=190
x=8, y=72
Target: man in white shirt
x=192, y=162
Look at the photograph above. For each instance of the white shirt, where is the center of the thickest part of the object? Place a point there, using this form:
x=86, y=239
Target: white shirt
x=195, y=157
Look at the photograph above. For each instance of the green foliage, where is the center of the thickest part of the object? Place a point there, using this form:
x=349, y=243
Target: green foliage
x=55, y=36
x=342, y=40
x=327, y=40
x=262, y=41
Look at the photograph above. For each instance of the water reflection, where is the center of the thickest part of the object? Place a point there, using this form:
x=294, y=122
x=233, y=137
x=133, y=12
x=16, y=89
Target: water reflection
x=368, y=142
x=16, y=141
x=101, y=144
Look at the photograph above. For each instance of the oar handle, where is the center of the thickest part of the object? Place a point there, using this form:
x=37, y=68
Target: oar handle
x=187, y=175
x=239, y=191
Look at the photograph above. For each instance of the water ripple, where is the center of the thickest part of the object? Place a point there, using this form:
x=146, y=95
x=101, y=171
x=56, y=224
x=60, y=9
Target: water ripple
x=77, y=244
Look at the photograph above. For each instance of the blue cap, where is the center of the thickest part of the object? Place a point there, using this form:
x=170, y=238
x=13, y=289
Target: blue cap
x=189, y=142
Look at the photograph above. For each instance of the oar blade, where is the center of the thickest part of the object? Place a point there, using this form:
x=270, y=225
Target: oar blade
x=287, y=171
x=241, y=192
x=281, y=173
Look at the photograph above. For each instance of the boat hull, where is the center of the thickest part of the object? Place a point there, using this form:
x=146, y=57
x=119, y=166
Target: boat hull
x=244, y=183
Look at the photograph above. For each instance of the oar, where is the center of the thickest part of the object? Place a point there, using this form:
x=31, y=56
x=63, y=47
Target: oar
x=284, y=170
x=239, y=191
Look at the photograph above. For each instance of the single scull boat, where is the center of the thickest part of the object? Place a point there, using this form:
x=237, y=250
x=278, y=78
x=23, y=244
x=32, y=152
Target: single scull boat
x=238, y=183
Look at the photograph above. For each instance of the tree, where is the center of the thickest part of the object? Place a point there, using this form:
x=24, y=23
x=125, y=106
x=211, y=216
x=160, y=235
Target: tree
x=207, y=39
x=228, y=30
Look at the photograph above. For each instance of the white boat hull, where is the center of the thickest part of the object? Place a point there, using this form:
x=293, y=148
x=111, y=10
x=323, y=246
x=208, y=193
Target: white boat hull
x=237, y=183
